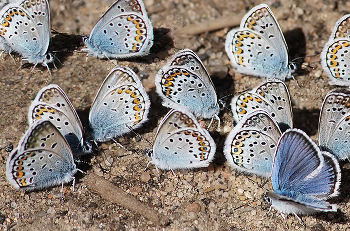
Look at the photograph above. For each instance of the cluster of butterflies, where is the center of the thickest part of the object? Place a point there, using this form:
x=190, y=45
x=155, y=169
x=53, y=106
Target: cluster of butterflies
x=124, y=31
x=263, y=142
x=304, y=175
x=45, y=155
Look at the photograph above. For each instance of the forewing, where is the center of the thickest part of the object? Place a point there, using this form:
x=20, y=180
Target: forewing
x=184, y=81
x=25, y=26
x=51, y=103
x=300, y=168
x=335, y=60
x=121, y=103
x=334, y=123
x=43, y=158
x=185, y=148
x=251, y=145
x=271, y=96
x=341, y=28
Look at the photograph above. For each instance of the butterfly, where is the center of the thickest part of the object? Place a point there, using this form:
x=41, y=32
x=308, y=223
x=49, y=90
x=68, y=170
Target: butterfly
x=124, y=31
x=272, y=96
x=334, y=123
x=185, y=83
x=25, y=29
x=52, y=104
x=42, y=159
x=250, y=147
x=335, y=55
x=258, y=47
x=181, y=143
x=121, y=104
x=303, y=176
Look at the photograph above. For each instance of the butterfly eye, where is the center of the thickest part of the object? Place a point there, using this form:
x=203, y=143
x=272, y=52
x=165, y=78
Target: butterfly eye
x=149, y=152
x=266, y=198
x=292, y=66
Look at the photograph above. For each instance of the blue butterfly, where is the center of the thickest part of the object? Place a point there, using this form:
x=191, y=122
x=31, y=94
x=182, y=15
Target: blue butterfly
x=303, y=176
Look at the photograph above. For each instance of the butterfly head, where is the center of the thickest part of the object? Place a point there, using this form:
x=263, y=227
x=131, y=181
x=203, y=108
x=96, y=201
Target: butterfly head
x=149, y=152
x=292, y=67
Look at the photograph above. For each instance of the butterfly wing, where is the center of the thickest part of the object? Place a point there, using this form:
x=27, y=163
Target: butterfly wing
x=184, y=82
x=341, y=28
x=271, y=96
x=25, y=27
x=335, y=60
x=303, y=174
x=258, y=47
x=42, y=159
x=121, y=103
x=251, y=145
x=334, y=123
x=181, y=143
x=123, y=31
x=51, y=103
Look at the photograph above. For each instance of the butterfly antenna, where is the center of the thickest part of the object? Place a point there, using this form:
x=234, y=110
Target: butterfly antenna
x=245, y=205
x=260, y=186
x=138, y=135
x=55, y=58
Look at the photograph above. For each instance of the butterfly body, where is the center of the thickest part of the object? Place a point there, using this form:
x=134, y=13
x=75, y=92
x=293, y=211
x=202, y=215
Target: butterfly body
x=184, y=82
x=121, y=103
x=258, y=47
x=181, y=143
x=251, y=145
x=303, y=176
x=124, y=31
x=42, y=159
x=25, y=29
x=335, y=56
x=51, y=103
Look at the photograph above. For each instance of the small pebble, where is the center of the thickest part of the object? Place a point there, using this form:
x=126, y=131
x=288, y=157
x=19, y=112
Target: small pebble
x=194, y=207
x=145, y=177
x=51, y=210
x=318, y=73
x=135, y=190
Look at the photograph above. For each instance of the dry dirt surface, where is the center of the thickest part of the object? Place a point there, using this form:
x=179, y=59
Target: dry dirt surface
x=213, y=198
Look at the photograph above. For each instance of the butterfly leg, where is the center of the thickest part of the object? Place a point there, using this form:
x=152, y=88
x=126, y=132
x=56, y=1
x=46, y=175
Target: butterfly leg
x=11, y=57
x=174, y=173
x=285, y=220
x=300, y=220
x=45, y=64
x=62, y=191
x=148, y=166
x=218, y=119
x=120, y=145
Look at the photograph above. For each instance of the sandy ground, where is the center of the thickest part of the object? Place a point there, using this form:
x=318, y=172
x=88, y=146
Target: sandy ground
x=214, y=198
